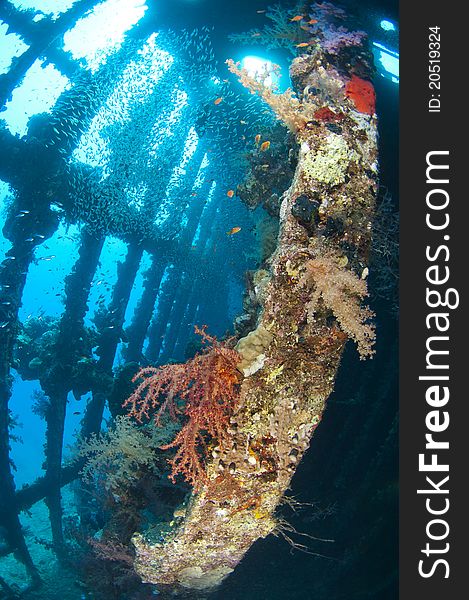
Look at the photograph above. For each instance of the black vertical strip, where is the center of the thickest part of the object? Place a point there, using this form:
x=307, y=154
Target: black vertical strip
x=433, y=420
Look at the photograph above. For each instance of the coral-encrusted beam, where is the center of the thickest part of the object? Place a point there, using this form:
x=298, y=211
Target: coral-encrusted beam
x=312, y=303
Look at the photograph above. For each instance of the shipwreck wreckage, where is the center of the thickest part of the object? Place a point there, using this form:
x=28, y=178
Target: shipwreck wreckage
x=305, y=300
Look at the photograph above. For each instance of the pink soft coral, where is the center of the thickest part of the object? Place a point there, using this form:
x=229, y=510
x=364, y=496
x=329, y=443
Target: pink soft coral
x=208, y=386
x=336, y=38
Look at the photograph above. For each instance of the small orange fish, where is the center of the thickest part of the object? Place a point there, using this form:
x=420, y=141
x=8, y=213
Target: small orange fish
x=302, y=45
x=265, y=146
x=312, y=22
x=257, y=139
x=297, y=18
x=230, y=193
x=233, y=230
x=217, y=101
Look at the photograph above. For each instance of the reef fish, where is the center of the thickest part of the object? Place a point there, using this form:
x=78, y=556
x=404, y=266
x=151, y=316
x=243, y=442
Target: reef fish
x=233, y=230
x=218, y=100
x=230, y=193
x=297, y=18
x=265, y=146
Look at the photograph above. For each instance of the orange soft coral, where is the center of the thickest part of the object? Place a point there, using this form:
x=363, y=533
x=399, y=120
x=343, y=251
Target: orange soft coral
x=362, y=93
x=208, y=387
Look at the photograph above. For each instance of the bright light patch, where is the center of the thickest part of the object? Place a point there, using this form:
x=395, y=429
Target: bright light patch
x=258, y=67
x=136, y=84
x=164, y=127
x=137, y=288
x=190, y=147
x=208, y=204
x=199, y=181
x=389, y=61
x=38, y=93
x=166, y=274
x=165, y=209
x=4, y=189
x=387, y=25
x=49, y=7
x=113, y=253
x=11, y=45
x=45, y=282
x=201, y=174
x=95, y=36
x=4, y=196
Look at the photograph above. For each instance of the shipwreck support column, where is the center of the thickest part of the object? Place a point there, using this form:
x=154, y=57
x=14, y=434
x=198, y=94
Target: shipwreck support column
x=310, y=298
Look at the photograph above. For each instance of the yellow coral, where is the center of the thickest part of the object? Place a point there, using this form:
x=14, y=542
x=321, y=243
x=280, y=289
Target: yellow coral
x=329, y=164
x=272, y=376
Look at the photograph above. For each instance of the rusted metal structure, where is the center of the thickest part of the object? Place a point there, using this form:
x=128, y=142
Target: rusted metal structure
x=47, y=187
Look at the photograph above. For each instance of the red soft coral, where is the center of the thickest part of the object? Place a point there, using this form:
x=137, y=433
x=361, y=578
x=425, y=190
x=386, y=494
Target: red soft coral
x=327, y=115
x=208, y=385
x=362, y=93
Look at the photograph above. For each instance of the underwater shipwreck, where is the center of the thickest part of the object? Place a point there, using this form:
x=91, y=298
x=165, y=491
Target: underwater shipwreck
x=224, y=238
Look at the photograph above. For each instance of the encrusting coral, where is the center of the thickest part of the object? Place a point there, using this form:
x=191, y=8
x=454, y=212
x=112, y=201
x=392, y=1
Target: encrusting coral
x=329, y=164
x=251, y=349
x=309, y=304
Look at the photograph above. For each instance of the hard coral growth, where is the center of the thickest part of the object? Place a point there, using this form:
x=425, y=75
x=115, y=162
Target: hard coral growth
x=341, y=291
x=208, y=387
x=329, y=164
